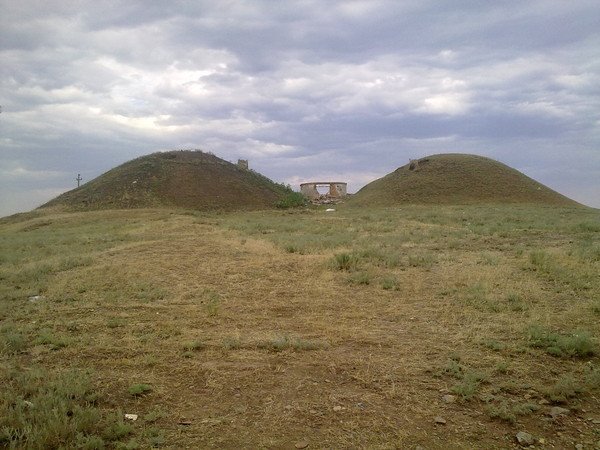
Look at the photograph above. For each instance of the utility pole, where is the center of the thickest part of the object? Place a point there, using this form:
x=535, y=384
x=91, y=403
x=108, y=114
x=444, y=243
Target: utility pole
x=78, y=179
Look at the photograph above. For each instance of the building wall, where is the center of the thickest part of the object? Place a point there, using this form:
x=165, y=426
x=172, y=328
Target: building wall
x=336, y=190
x=309, y=190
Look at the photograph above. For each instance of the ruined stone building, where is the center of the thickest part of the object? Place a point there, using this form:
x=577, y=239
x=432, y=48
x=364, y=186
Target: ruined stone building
x=337, y=189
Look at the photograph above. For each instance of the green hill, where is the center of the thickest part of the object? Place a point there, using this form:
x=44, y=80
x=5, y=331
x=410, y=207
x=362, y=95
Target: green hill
x=456, y=179
x=186, y=179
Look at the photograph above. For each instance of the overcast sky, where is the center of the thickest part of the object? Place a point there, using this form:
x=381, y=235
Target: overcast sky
x=306, y=90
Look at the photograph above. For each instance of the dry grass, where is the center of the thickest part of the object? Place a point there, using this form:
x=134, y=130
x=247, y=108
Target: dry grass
x=244, y=344
x=450, y=179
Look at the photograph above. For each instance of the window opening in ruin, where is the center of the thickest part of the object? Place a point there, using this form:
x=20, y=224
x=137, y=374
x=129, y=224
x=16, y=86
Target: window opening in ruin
x=322, y=189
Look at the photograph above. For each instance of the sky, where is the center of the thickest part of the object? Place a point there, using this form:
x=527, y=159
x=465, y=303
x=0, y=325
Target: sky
x=306, y=90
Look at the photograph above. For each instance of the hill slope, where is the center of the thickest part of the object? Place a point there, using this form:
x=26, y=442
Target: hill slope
x=186, y=179
x=456, y=179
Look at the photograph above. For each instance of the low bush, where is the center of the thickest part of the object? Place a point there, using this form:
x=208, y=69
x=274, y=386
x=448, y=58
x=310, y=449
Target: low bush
x=292, y=200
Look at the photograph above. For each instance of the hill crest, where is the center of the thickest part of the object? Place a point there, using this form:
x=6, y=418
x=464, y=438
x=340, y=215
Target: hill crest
x=182, y=178
x=456, y=178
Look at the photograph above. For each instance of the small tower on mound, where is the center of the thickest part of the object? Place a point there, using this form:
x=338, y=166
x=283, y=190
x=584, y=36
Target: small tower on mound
x=242, y=164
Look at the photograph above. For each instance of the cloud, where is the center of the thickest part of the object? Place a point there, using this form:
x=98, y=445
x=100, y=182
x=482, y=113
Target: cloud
x=356, y=90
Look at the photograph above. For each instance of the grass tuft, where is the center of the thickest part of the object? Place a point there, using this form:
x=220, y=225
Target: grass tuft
x=508, y=412
x=44, y=410
x=578, y=344
x=139, y=389
x=281, y=343
x=345, y=261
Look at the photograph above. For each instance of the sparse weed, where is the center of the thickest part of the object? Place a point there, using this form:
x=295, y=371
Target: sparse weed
x=468, y=384
x=561, y=270
x=565, y=388
x=212, y=303
x=578, y=344
x=43, y=410
x=47, y=337
x=154, y=415
x=421, y=260
x=345, y=261
x=285, y=342
x=477, y=293
x=115, y=322
x=117, y=429
x=489, y=259
x=88, y=442
x=71, y=262
x=139, y=389
x=232, y=343
x=291, y=248
x=148, y=292
x=502, y=367
x=588, y=227
x=509, y=412
x=132, y=444
x=515, y=302
x=592, y=377
x=12, y=341
x=454, y=369
x=390, y=283
x=193, y=346
x=150, y=360
x=541, y=260
x=155, y=437
x=363, y=278
x=492, y=344
x=588, y=251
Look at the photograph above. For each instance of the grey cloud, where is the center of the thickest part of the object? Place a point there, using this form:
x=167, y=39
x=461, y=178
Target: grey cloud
x=357, y=88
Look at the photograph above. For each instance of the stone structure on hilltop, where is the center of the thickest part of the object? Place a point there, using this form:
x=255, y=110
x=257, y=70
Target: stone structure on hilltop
x=337, y=191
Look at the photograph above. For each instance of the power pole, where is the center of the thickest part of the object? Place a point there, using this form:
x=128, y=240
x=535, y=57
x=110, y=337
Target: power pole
x=78, y=179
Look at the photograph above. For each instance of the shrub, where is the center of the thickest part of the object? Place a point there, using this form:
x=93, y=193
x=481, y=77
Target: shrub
x=291, y=200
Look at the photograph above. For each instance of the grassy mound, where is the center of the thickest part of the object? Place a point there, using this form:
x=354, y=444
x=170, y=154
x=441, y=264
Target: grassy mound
x=456, y=179
x=185, y=179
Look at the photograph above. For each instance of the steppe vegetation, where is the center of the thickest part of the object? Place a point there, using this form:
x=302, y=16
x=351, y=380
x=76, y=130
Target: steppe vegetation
x=441, y=327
